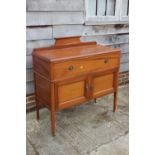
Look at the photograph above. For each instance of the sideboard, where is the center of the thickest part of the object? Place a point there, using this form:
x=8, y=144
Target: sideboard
x=72, y=72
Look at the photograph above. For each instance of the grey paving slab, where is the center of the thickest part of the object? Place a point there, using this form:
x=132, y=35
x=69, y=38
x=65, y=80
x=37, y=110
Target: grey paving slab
x=91, y=128
x=117, y=147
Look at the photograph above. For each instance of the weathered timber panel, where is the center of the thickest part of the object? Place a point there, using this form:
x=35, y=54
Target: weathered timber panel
x=39, y=43
x=54, y=18
x=40, y=33
x=124, y=58
x=29, y=87
x=110, y=8
x=123, y=47
x=92, y=8
x=124, y=67
x=124, y=7
x=29, y=75
x=54, y=5
x=101, y=7
x=107, y=40
x=30, y=45
x=29, y=61
x=81, y=30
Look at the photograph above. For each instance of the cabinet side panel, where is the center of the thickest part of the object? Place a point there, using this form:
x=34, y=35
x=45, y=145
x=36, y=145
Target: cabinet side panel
x=42, y=89
x=42, y=67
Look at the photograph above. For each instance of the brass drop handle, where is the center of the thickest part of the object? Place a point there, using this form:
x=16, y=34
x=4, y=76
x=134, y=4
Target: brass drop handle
x=70, y=68
x=106, y=60
x=87, y=87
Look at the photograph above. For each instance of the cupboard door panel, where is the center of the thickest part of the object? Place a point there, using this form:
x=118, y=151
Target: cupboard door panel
x=71, y=93
x=102, y=84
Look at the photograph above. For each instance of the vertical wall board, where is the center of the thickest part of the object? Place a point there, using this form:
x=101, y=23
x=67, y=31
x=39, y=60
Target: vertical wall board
x=39, y=33
x=92, y=8
x=124, y=7
x=101, y=7
x=110, y=7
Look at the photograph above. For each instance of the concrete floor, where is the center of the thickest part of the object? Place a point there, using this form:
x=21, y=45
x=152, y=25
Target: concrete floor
x=88, y=129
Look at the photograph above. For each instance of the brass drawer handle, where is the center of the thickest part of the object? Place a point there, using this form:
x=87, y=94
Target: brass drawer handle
x=70, y=68
x=87, y=88
x=106, y=60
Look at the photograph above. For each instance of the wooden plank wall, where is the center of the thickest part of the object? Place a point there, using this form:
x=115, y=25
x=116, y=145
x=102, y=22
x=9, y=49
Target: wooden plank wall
x=49, y=19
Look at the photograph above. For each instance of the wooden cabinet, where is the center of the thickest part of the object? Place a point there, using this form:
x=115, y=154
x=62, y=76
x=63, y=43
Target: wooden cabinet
x=72, y=72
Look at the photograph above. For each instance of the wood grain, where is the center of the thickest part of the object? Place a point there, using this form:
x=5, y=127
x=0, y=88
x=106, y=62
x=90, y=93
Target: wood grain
x=85, y=66
x=101, y=84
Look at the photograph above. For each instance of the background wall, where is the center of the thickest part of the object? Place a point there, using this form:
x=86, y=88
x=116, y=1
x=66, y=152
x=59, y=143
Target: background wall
x=49, y=19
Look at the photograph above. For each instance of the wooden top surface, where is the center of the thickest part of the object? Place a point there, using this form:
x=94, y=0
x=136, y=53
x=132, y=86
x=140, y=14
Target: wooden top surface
x=64, y=50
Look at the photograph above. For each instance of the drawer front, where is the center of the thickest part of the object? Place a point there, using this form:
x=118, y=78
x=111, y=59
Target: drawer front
x=84, y=66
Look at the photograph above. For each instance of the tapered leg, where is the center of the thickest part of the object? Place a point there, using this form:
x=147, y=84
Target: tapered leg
x=116, y=75
x=37, y=109
x=115, y=102
x=53, y=123
x=53, y=111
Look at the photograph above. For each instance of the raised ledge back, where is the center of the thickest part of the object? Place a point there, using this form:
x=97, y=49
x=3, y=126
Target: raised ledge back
x=66, y=42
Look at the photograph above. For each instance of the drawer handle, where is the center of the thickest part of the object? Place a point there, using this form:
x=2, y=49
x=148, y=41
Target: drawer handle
x=70, y=68
x=87, y=88
x=106, y=60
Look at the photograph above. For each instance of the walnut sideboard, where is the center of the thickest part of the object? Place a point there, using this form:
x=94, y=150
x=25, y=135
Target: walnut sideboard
x=72, y=72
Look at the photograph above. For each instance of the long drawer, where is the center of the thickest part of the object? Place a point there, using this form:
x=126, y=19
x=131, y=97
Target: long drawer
x=86, y=65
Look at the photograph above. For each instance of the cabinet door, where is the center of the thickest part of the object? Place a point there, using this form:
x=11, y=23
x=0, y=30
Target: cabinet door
x=102, y=84
x=71, y=92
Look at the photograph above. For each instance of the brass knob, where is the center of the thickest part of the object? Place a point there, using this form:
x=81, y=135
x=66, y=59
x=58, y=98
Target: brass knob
x=70, y=68
x=106, y=60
